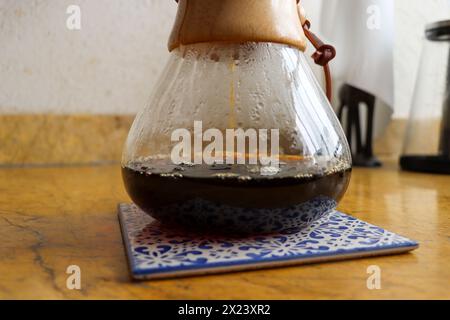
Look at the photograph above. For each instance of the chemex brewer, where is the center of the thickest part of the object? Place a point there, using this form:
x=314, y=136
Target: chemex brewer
x=238, y=135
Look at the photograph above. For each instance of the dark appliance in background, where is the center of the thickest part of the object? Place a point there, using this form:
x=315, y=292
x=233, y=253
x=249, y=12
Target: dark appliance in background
x=351, y=100
x=427, y=142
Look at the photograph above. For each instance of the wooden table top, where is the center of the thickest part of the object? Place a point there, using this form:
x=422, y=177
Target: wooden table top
x=51, y=218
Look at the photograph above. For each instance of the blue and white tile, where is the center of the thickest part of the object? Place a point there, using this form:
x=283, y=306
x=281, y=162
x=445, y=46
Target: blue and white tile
x=155, y=252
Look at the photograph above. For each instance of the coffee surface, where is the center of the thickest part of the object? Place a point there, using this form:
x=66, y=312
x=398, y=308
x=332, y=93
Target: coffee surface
x=234, y=196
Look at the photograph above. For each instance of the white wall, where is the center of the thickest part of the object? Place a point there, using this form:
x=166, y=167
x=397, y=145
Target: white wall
x=111, y=64
x=411, y=18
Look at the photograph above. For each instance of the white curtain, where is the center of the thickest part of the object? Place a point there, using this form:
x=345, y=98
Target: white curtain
x=363, y=33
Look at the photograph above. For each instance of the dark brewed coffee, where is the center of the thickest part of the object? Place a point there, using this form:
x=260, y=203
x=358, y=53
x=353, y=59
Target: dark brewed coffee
x=235, y=198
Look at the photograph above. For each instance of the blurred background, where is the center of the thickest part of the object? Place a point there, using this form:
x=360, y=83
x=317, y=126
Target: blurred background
x=68, y=95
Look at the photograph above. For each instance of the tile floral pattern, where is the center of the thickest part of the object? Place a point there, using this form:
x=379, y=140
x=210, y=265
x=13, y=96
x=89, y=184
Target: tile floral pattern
x=155, y=251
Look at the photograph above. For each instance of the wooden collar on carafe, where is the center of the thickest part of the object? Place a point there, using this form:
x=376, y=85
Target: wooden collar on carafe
x=237, y=21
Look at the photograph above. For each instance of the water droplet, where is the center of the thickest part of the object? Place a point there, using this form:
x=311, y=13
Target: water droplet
x=269, y=171
x=187, y=164
x=225, y=175
x=253, y=169
x=171, y=175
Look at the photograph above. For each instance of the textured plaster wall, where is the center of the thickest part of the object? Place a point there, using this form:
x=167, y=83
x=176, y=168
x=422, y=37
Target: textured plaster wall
x=109, y=66
x=112, y=63
x=411, y=18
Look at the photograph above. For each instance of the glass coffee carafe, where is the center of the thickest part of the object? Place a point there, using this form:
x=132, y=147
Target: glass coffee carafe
x=238, y=135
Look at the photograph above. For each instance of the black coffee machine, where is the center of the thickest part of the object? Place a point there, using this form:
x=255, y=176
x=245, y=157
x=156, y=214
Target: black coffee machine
x=427, y=143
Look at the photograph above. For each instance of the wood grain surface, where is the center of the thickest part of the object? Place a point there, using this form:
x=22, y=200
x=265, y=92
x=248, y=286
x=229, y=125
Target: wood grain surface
x=51, y=218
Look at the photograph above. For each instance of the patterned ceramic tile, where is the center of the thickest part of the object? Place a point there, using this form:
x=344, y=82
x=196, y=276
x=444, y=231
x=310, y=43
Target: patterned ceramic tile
x=156, y=252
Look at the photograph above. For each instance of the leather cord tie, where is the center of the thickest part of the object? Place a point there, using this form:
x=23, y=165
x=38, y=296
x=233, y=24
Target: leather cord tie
x=323, y=55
